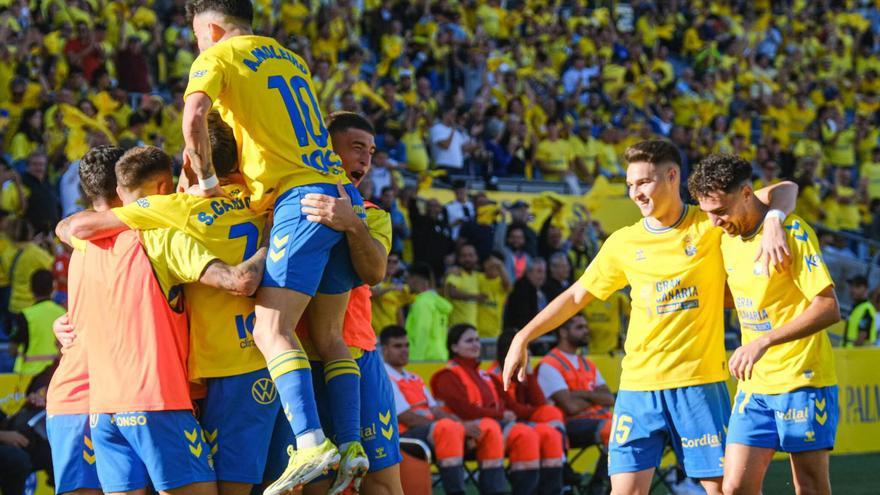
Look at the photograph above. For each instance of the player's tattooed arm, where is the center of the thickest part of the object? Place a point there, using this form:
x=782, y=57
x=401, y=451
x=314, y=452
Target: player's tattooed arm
x=197, y=150
x=241, y=280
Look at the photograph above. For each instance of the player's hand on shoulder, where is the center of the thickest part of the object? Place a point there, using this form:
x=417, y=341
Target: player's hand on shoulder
x=774, y=250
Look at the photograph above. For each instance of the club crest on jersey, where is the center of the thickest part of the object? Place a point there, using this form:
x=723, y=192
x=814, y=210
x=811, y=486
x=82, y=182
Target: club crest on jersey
x=759, y=270
x=689, y=248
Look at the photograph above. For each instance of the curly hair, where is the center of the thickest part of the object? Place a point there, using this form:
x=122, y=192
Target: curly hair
x=97, y=172
x=655, y=151
x=718, y=172
x=242, y=10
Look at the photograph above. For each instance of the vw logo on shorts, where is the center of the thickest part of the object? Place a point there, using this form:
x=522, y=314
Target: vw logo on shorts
x=263, y=391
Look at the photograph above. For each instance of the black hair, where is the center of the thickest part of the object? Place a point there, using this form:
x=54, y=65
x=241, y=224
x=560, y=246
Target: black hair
x=454, y=335
x=242, y=10
x=391, y=332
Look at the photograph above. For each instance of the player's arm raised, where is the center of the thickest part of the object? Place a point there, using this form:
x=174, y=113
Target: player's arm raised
x=197, y=151
x=551, y=317
x=774, y=247
x=822, y=312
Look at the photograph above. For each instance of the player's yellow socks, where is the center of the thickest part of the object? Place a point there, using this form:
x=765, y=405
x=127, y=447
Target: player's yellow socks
x=343, y=379
x=293, y=378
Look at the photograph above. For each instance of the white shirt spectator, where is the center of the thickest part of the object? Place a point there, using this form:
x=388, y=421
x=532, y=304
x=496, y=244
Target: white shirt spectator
x=572, y=76
x=458, y=213
x=400, y=403
x=551, y=381
x=382, y=178
x=68, y=187
x=453, y=156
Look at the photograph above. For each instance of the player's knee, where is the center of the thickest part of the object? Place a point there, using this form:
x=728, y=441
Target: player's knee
x=737, y=486
x=812, y=484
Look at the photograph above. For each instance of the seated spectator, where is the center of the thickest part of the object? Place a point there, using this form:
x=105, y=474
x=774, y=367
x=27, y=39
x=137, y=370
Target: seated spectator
x=449, y=144
x=32, y=329
x=15, y=462
x=559, y=276
x=431, y=235
x=462, y=286
x=460, y=210
x=574, y=384
x=555, y=156
x=43, y=209
x=390, y=296
x=494, y=285
x=606, y=321
x=20, y=260
x=420, y=416
x=861, y=326
x=516, y=258
x=528, y=402
x=527, y=297
x=472, y=394
x=428, y=316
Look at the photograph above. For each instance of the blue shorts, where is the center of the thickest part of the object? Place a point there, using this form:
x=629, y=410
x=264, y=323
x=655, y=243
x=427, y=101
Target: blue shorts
x=798, y=421
x=305, y=256
x=379, y=434
x=238, y=416
x=162, y=447
x=73, y=455
x=693, y=419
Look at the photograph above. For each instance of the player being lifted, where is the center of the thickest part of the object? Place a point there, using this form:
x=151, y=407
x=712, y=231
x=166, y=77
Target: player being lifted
x=353, y=139
x=672, y=386
x=265, y=93
x=787, y=397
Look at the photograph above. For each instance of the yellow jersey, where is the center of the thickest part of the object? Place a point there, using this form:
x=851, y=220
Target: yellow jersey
x=490, y=311
x=259, y=87
x=605, y=321
x=556, y=157
x=764, y=303
x=464, y=311
x=871, y=173
x=675, y=336
x=221, y=325
x=387, y=306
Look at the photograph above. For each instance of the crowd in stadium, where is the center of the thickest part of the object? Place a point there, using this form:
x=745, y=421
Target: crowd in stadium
x=457, y=92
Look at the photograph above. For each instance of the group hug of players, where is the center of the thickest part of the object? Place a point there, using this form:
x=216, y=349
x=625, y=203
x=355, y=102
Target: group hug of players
x=159, y=285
